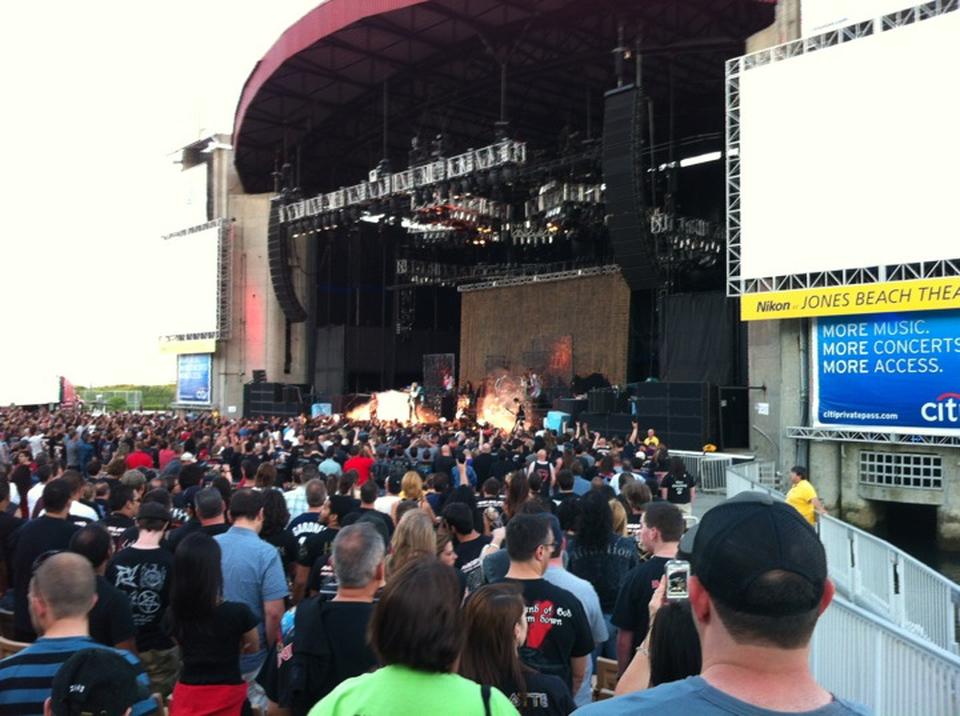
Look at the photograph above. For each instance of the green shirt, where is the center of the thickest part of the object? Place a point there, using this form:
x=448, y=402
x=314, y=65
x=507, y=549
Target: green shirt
x=400, y=690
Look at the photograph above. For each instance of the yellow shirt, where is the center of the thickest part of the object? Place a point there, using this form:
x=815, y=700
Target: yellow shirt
x=801, y=497
x=652, y=440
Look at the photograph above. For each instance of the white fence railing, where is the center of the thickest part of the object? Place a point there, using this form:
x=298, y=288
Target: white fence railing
x=710, y=468
x=862, y=657
x=877, y=576
x=894, y=650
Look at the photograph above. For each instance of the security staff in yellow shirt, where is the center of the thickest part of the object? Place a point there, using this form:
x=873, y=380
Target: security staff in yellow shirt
x=802, y=496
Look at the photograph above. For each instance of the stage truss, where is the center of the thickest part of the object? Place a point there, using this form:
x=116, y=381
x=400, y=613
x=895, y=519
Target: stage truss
x=539, y=278
x=735, y=68
x=852, y=435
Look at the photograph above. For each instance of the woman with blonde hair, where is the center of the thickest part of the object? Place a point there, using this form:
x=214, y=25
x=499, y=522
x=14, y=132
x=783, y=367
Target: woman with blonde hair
x=619, y=517
x=411, y=489
x=413, y=539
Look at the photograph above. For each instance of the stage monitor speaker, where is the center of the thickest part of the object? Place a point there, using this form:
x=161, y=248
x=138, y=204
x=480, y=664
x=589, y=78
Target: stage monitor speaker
x=280, y=273
x=573, y=406
x=623, y=173
x=602, y=400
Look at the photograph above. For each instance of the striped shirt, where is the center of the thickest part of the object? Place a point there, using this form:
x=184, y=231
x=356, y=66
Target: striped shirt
x=27, y=676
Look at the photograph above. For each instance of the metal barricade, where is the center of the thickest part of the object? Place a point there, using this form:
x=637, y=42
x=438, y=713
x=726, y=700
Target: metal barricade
x=709, y=469
x=875, y=575
x=862, y=657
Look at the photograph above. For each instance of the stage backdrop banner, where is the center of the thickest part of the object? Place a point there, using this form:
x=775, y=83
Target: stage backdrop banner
x=439, y=372
x=892, y=372
x=194, y=378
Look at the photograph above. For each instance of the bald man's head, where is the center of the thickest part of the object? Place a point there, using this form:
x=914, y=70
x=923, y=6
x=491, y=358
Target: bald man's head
x=66, y=584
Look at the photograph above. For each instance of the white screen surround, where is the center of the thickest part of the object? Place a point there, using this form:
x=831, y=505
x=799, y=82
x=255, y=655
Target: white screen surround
x=848, y=153
x=818, y=16
x=190, y=274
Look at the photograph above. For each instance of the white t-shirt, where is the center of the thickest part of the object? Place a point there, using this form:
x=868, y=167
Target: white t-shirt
x=385, y=504
x=34, y=494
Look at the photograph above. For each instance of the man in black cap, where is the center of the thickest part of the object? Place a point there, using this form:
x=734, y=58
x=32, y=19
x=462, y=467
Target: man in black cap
x=143, y=571
x=94, y=681
x=758, y=584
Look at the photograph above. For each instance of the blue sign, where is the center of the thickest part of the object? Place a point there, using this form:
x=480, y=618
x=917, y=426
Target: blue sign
x=193, y=378
x=893, y=371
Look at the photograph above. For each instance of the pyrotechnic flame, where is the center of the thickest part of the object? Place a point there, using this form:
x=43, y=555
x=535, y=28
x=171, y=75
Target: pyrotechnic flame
x=392, y=405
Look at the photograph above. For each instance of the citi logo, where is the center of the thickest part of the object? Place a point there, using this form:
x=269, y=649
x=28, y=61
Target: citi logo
x=943, y=409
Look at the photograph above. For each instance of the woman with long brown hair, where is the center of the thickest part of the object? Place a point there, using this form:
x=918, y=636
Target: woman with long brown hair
x=496, y=626
x=518, y=492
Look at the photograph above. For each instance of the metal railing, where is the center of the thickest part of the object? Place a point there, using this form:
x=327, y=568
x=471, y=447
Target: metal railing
x=889, y=638
x=864, y=658
x=710, y=468
x=877, y=576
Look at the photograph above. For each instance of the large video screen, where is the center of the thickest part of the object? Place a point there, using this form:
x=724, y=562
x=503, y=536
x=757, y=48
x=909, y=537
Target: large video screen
x=188, y=276
x=847, y=153
x=896, y=372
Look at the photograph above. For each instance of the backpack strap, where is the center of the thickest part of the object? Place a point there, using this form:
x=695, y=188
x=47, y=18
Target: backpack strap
x=485, y=695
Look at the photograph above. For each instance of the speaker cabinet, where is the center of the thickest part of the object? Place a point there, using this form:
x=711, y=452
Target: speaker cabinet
x=623, y=131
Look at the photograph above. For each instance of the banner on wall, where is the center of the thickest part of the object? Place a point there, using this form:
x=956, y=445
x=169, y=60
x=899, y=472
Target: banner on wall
x=897, y=372
x=194, y=378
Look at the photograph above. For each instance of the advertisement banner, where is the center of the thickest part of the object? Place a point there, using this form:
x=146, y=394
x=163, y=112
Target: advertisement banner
x=928, y=294
x=896, y=372
x=194, y=379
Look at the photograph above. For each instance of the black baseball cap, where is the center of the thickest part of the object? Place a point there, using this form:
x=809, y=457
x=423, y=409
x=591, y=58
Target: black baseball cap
x=95, y=681
x=747, y=537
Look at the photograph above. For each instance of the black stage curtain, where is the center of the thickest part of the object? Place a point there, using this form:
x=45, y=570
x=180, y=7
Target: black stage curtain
x=699, y=338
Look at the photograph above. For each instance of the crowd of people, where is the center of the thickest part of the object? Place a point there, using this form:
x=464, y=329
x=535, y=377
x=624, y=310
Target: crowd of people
x=320, y=566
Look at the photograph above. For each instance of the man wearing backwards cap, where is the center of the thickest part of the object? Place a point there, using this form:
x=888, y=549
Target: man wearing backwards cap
x=758, y=585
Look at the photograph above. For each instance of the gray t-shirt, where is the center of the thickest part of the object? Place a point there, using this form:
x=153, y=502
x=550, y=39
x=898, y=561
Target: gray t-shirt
x=693, y=696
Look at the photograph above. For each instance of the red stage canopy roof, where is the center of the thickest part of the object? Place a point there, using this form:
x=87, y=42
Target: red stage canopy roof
x=316, y=98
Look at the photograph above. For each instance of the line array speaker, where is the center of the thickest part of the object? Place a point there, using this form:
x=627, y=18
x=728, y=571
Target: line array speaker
x=623, y=127
x=280, y=274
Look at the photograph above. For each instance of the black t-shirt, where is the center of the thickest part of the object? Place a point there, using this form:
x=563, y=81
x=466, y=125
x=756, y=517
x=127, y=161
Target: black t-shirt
x=174, y=538
x=210, y=652
x=678, y=488
x=117, y=524
x=545, y=695
x=445, y=464
x=317, y=546
x=8, y=525
x=604, y=567
x=44, y=534
x=468, y=560
x=557, y=628
x=481, y=465
x=111, y=619
x=144, y=576
x=321, y=626
x=305, y=525
x=632, y=609
x=287, y=547
x=388, y=523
